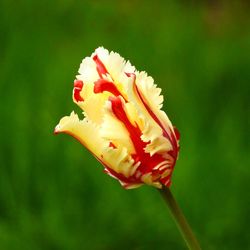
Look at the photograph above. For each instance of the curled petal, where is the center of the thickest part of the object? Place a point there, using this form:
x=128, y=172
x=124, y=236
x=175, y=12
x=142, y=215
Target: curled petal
x=86, y=132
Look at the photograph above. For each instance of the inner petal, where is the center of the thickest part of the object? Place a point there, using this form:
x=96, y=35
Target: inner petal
x=147, y=162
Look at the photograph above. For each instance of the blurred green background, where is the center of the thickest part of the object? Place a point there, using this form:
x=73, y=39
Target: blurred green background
x=53, y=193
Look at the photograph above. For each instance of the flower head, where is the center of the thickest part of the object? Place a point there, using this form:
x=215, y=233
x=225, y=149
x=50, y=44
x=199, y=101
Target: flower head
x=124, y=126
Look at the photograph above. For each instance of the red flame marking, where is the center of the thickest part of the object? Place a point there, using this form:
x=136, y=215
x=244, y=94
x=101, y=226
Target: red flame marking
x=101, y=69
x=102, y=85
x=177, y=133
x=78, y=85
x=127, y=181
x=170, y=137
x=112, y=145
x=147, y=162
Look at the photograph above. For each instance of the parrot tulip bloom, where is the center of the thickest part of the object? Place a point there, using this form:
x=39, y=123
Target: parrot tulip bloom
x=124, y=126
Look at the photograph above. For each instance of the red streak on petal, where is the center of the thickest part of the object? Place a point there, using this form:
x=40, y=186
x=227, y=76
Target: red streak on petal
x=112, y=145
x=167, y=180
x=147, y=162
x=127, y=181
x=78, y=85
x=101, y=69
x=177, y=133
x=102, y=85
x=152, y=114
x=170, y=137
x=129, y=74
x=135, y=157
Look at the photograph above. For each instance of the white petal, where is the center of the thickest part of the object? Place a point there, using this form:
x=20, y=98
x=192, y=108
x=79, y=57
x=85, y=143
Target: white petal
x=87, y=70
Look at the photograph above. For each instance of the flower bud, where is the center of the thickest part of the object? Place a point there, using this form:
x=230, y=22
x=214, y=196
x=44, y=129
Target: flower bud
x=124, y=126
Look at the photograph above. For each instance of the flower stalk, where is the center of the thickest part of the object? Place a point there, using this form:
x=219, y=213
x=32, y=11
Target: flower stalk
x=180, y=219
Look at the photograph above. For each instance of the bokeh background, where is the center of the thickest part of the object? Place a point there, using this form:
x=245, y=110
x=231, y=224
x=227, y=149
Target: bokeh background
x=53, y=193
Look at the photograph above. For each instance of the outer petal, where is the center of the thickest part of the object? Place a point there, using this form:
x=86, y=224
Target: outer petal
x=150, y=91
x=88, y=135
x=151, y=167
x=84, y=131
x=152, y=132
x=151, y=96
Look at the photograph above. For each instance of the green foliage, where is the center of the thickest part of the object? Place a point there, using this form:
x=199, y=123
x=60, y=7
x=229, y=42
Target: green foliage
x=53, y=194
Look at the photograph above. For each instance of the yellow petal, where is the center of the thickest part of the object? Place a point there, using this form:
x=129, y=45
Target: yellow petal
x=84, y=131
x=120, y=161
x=87, y=133
x=93, y=107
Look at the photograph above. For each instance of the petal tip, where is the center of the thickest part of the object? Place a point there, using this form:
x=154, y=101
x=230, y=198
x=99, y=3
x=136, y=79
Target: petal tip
x=57, y=130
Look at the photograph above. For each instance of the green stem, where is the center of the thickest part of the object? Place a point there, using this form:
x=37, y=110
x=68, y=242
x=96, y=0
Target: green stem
x=180, y=219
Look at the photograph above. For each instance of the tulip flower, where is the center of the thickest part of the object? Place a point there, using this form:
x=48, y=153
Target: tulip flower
x=124, y=126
